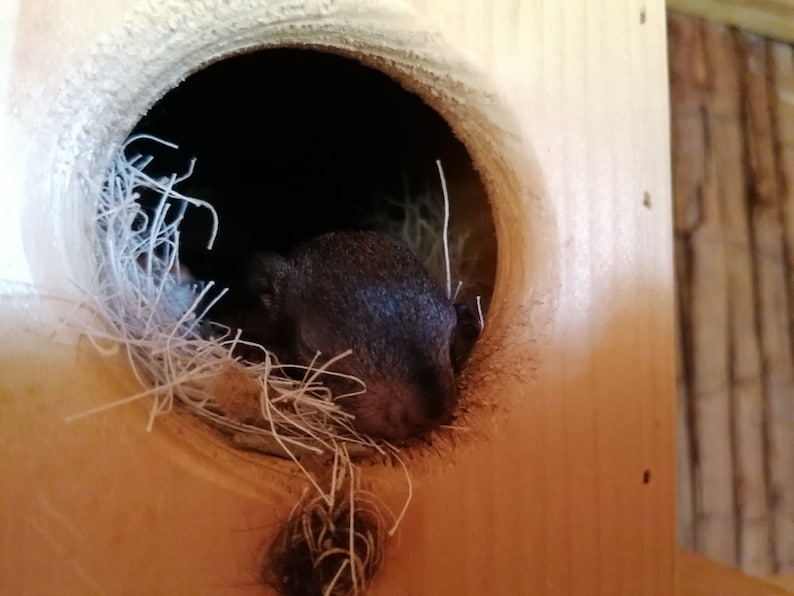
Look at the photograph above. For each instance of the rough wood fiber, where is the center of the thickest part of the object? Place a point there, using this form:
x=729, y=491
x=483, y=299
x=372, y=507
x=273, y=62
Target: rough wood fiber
x=780, y=377
x=698, y=191
x=772, y=278
x=569, y=491
x=731, y=189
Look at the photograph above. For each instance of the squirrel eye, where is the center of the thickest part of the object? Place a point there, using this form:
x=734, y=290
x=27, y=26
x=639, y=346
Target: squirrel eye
x=267, y=273
x=305, y=344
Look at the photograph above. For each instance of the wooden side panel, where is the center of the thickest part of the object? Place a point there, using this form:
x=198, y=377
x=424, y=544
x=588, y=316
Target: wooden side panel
x=731, y=169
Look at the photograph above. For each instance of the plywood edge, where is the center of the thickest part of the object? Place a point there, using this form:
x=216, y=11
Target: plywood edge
x=700, y=576
x=784, y=581
x=770, y=18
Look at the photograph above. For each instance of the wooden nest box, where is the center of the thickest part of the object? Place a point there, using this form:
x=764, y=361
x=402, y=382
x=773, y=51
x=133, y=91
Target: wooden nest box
x=566, y=482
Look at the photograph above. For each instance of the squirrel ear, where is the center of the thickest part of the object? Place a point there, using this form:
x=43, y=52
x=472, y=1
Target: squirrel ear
x=267, y=275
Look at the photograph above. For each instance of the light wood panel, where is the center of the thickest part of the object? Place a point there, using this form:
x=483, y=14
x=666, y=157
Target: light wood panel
x=568, y=486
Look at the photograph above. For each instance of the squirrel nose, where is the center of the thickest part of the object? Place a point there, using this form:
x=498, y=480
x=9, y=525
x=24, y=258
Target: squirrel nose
x=398, y=412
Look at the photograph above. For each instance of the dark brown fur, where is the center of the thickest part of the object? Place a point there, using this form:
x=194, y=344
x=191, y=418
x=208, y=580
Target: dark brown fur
x=366, y=292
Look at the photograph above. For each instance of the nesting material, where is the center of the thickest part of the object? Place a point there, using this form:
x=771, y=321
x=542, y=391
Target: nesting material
x=157, y=317
x=331, y=544
x=333, y=541
x=421, y=221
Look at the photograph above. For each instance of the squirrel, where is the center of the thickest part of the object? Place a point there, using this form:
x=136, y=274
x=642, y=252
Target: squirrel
x=365, y=292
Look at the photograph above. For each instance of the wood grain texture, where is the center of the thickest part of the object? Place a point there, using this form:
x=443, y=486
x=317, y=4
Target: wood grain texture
x=772, y=18
x=701, y=147
x=739, y=169
x=780, y=380
x=755, y=554
x=569, y=491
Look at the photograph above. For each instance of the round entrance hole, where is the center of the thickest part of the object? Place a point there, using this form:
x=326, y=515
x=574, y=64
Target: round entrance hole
x=290, y=144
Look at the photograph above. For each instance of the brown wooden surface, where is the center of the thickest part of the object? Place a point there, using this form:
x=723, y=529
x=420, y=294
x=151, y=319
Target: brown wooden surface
x=784, y=581
x=781, y=377
x=699, y=149
x=731, y=126
x=773, y=279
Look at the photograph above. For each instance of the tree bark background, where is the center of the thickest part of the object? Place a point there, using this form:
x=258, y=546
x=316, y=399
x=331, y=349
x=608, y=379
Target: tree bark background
x=732, y=107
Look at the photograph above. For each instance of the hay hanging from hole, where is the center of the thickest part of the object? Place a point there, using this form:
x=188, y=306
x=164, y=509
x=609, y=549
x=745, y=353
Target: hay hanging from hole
x=146, y=308
x=333, y=542
x=329, y=548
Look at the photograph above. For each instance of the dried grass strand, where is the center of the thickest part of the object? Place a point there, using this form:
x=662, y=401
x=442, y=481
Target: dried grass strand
x=146, y=309
x=445, y=228
x=331, y=547
x=158, y=320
